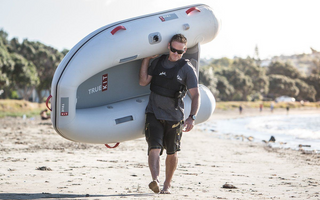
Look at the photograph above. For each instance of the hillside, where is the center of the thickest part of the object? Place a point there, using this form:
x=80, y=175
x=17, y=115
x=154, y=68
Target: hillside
x=303, y=62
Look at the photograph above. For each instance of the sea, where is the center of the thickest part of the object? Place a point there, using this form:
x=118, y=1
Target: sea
x=290, y=131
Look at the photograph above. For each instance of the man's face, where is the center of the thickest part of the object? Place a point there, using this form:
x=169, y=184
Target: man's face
x=175, y=49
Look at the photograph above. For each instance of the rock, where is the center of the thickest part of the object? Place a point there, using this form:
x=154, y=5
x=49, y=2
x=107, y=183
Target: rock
x=272, y=139
x=229, y=186
x=307, y=152
x=44, y=168
x=250, y=138
x=304, y=145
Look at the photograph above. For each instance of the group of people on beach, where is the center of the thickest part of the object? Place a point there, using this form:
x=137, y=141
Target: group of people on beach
x=261, y=108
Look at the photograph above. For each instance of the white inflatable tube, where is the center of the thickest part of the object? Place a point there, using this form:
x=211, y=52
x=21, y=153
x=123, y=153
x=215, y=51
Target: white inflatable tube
x=96, y=96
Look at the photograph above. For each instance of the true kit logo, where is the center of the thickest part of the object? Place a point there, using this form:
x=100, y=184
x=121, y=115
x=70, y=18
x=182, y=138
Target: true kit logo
x=64, y=106
x=104, y=82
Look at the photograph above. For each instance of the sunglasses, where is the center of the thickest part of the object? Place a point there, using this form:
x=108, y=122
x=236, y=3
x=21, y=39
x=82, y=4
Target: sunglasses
x=176, y=50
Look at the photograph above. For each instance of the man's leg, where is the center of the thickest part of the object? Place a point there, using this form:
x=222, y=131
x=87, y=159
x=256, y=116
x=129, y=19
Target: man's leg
x=171, y=166
x=154, y=166
x=154, y=163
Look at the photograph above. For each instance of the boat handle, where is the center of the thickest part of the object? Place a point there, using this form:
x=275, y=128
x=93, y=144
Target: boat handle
x=49, y=97
x=113, y=146
x=117, y=29
x=192, y=9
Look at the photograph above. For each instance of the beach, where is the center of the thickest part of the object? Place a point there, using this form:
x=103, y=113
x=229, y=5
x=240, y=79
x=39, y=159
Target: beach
x=37, y=163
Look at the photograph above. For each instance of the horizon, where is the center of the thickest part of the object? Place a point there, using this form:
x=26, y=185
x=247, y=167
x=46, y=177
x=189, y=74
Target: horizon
x=277, y=28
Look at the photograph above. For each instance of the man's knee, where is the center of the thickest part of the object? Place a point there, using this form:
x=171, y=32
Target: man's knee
x=154, y=152
x=174, y=155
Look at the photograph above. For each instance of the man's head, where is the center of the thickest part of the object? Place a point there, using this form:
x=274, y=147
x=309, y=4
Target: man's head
x=177, y=47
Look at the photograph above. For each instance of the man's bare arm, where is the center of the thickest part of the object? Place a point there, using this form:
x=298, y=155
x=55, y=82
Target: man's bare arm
x=144, y=78
x=195, y=102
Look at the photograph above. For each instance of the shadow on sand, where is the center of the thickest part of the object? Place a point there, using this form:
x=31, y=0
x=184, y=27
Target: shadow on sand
x=64, y=196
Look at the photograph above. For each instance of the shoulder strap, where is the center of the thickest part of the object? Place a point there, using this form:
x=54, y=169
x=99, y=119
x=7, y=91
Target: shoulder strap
x=159, y=61
x=182, y=62
x=161, y=58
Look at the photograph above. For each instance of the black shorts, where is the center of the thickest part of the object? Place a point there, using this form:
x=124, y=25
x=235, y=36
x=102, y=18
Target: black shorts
x=162, y=134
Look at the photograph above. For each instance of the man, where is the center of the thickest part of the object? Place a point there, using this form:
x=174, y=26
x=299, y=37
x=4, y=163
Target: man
x=170, y=77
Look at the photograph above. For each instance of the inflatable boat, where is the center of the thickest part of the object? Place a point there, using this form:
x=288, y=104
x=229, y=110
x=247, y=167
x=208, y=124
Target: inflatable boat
x=95, y=93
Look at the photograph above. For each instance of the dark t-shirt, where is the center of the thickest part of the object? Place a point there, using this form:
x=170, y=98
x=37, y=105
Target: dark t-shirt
x=164, y=107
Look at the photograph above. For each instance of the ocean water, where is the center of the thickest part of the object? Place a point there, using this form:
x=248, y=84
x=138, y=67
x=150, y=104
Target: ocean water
x=294, y=130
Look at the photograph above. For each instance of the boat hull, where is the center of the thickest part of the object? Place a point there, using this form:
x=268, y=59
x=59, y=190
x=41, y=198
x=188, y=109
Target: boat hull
x=96, y=96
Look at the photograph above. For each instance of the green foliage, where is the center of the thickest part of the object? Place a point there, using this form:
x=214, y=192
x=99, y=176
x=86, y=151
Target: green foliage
x=314, y=81
x=24, y=73
x=241, y=83
x=281, y=85
x=306, y=92
x=243, y=79
x=18, y=108
x=26, y=66
x=285, y=69
x=315, y=68
x=45, y=58
x=226, y=90
x=256, y=73
x=14, y=94
x=6, y=63
x=206, y=77
x=222, y=62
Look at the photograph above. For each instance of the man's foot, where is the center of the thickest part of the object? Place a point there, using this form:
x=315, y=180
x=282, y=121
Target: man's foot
x=165, y=192
x=154, y=186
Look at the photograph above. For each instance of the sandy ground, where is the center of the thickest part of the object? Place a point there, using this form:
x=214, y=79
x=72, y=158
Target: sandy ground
x=36, y=163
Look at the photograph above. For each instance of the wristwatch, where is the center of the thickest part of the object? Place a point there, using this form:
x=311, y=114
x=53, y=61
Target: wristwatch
x=193, y=117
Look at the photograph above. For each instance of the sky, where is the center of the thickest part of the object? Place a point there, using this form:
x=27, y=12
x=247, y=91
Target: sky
x=276, y=27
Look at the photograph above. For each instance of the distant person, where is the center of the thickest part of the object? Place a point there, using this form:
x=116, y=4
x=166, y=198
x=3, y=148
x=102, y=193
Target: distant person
x=271, y=106
x=287, y=109
x=44, y=115
x=240, y=109
x=261, y=106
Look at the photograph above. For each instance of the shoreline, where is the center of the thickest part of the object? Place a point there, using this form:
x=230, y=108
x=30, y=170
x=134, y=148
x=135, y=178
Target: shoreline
x=307, y=145
x=206, y=162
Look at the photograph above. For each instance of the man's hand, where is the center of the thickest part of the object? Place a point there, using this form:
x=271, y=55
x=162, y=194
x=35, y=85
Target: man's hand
x=188, y=125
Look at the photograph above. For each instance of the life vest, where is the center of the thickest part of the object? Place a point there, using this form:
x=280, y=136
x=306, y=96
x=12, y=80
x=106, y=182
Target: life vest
x=164, y=81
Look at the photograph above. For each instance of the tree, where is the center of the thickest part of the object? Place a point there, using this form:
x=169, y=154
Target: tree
x=241, y=83
x=222, y=62
x=257, y=74
x=207, y=78
x=285, y=69
x=45, y=59
x=226, y=90
x=6, y=64
x=314, y=81
x=315, y=69
x=24, y=75
x=280, y=85
x=306, y=92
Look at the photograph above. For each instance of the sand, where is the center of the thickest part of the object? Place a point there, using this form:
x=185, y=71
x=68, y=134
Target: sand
x=37, y=163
